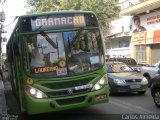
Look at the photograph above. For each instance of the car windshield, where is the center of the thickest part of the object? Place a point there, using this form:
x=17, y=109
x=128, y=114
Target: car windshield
x=118, y=68
x=62, y=53
x=128, y=61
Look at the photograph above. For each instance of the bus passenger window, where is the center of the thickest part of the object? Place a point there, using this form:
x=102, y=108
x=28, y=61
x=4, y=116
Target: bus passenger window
x=35, y=54
x=37, y=58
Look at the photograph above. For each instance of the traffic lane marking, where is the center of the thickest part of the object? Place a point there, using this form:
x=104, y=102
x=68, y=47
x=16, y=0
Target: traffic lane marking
x=129, y=106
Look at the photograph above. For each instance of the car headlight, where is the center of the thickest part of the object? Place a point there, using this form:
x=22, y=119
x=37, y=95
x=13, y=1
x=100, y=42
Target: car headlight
x=119, y=81
x=100, y=83
x=144, y=80
x=35, y=92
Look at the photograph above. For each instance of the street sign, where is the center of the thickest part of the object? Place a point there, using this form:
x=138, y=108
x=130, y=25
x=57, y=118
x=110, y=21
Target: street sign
x=2, y=16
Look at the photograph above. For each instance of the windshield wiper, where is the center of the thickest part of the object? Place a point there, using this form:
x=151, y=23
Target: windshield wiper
x=49, y=39
x=77, y=35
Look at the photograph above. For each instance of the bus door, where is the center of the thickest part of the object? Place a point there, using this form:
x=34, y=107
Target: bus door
x=16, y=68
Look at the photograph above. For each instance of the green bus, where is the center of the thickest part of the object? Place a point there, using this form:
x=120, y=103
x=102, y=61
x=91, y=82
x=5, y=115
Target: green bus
x=46, y=74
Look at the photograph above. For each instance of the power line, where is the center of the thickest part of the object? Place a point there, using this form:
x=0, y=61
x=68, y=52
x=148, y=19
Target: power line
x=12, y=21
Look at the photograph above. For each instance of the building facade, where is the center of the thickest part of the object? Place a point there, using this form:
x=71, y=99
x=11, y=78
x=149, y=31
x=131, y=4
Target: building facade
x=120, y=37
x=144, y=45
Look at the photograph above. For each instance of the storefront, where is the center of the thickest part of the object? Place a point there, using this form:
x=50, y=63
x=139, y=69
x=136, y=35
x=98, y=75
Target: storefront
x=155, y=53
x=146, y=47
x=146, y=44
x=119, y=47
x=139, y=47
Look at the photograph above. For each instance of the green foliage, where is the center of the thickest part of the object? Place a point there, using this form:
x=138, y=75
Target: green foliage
x=104, y=9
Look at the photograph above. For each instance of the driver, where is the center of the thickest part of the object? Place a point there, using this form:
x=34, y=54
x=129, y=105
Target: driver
x=77, y=48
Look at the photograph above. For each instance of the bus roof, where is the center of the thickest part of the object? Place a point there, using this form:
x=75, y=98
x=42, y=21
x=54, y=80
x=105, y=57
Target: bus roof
x=55, y=12
x=49, y=13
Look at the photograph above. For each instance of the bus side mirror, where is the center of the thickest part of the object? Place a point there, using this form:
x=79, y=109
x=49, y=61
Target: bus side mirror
x=16, y=49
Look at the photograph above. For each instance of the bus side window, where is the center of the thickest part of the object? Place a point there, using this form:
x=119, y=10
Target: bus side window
x=16, y=49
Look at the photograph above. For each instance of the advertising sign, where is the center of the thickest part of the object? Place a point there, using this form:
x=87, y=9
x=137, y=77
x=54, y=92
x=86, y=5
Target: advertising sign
x=139, y=38
x=151, y=21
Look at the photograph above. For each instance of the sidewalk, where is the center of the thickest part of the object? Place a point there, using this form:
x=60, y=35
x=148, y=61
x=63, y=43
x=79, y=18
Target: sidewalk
x=10, y=100
x=3, y=108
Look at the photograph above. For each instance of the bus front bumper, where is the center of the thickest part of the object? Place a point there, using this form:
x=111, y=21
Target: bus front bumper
x=37, y=106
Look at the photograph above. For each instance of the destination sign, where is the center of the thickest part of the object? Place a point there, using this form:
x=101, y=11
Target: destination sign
x=58, y=21
x=55, y=21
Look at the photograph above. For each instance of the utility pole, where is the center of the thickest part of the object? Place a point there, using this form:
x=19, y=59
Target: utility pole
x=2, y=19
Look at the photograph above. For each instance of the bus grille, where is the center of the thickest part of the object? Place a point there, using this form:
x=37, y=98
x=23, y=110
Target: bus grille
x=68, y=92
x=67, y=84
x=133, y=80
x=71, y=100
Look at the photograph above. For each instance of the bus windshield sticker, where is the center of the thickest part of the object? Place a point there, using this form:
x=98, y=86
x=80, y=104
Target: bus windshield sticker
x=62, y=63
x=45, y=69
x=44, y=22
x=68, y=36
x=94, y=59
x=61, y=71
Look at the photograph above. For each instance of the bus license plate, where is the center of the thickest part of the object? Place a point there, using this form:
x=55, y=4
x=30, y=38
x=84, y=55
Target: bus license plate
x=135, y=86
x=83, y=87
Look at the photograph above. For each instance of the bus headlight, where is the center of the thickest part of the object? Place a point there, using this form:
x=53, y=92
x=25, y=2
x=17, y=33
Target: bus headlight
x=100, y=83
x=32, y=91
x=35, y=92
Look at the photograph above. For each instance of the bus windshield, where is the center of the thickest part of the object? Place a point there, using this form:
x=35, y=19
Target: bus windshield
x=66, y=53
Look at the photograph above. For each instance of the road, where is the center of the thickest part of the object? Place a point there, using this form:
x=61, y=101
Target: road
x=120, y=106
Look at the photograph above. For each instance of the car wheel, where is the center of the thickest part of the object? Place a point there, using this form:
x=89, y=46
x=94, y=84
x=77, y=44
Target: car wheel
x=141, y=92
x=156, y=97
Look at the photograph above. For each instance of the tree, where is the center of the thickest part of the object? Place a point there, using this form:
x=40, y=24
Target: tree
x=104, y=9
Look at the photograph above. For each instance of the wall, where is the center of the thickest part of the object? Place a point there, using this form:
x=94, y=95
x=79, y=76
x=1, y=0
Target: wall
x=121, y=25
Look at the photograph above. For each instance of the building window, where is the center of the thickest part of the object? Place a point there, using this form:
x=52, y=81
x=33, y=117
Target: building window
x=124, y=43
x=141, y=54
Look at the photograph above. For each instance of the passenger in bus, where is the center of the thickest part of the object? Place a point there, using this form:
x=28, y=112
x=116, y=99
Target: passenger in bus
x=37, y=58
x=77, y=49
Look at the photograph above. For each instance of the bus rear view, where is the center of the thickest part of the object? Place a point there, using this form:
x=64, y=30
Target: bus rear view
x=59, y=62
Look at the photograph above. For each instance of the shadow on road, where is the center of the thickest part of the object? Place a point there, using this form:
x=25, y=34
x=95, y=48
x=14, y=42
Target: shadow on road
x=126, y=94
x=78, y=114
x=12, y=106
